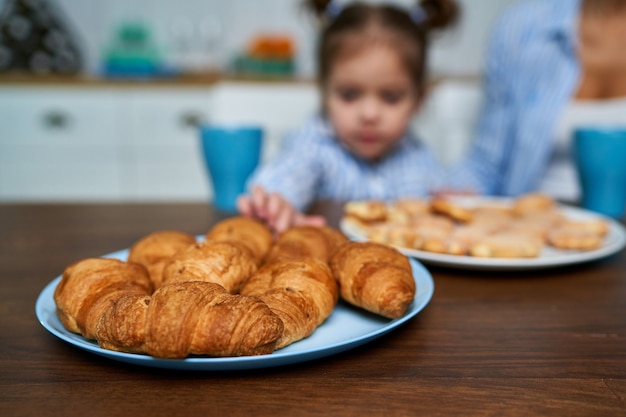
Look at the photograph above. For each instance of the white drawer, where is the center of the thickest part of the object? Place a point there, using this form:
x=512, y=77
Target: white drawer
x=52, y=116
x=165, y=172
x=166, y=116
x=58, y=172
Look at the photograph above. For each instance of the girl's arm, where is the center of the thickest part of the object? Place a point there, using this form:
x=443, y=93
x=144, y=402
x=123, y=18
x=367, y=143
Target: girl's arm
x=272, y=208
x=282, y=190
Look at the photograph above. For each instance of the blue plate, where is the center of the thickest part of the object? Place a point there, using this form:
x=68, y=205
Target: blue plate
x=346, y=328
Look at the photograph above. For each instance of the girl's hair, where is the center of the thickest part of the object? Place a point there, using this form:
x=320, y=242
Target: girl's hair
x=603, y=7
x=357, y=24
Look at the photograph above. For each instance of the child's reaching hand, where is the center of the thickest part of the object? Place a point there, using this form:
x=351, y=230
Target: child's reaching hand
x=275, y=210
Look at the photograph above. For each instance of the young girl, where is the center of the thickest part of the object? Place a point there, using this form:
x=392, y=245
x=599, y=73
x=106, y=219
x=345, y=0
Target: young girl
x=371, y=70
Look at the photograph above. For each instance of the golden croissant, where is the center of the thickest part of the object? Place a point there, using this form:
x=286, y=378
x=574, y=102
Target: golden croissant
x=227, y=263
x=189, y=318
x=375, y=277
x=154, y=251
x=88, y=287
x=255, y=235
x=299, y=242
x=303, y=293
x=240, y=292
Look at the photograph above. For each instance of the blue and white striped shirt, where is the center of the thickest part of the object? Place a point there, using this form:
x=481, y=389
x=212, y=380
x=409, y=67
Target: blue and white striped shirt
x=313, y=165
x=531, y=73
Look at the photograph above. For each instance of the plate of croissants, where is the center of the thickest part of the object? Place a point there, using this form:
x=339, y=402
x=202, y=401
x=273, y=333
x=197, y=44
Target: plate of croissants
x=234, y=298
x=531, y=231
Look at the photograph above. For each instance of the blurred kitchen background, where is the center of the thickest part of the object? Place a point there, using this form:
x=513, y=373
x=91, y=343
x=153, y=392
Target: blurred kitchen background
x=101, y=100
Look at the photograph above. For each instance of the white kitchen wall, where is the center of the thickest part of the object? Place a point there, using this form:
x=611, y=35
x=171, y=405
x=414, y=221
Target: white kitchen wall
x=184, y=29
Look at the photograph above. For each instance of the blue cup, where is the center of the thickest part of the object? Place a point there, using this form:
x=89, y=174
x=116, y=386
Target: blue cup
x=231, y=154
x=600, y=156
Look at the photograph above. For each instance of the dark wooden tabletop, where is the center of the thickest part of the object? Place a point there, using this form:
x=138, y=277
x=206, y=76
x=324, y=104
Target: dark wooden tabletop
x=544, y=342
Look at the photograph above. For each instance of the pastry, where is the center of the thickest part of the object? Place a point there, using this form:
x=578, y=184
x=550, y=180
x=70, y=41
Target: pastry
x=227, y=263
x=393, y=234
x=532, y=202
x=374, y=277
x=366, y=211
x=536, y=224
x=598, y=227
x=155, y=249
x=89, y=286
x=303, y=293
x=433, y=222
x=516, y=229
x=456, y=212
x=299, y=242
x=252, y=233
x=403, y=210
x=189, y=318
x=507, y=245
x=578, y=234
x=491, y=218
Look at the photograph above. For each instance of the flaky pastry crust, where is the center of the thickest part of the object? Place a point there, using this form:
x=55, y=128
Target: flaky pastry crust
x=154, y=250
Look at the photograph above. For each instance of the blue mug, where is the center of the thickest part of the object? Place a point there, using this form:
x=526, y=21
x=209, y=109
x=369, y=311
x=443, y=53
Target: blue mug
x=231, y=154
x=600, y=156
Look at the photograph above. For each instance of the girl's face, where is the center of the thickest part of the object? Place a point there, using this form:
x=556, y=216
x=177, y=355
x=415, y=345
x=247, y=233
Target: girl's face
x=370, y=99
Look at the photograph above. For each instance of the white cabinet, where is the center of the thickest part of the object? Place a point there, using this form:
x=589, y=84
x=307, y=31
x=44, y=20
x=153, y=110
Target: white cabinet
x=162, y=158
x=141, y=143
x=130, y=143
x=58, y=144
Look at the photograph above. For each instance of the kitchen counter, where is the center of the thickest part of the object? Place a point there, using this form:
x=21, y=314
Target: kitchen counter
x=206, y=79
x=545, y=342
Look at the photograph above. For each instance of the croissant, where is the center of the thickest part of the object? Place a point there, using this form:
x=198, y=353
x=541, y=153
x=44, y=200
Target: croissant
x=229, y=264
x=89, y=286
x=375, y=277
x=252, y=233
x=154, y=250
x=299, y=242
x=303, y=293
x=189, y=318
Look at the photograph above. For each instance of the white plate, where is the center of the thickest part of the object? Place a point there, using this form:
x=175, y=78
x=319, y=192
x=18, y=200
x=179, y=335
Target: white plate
x=549, y=257
x=346, y=328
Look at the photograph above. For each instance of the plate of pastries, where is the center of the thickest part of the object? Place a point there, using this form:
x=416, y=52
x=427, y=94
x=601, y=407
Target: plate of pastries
x=527, y=232
x=235, y=298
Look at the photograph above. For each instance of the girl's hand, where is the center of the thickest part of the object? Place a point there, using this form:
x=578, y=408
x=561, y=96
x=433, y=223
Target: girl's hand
x=274, y=210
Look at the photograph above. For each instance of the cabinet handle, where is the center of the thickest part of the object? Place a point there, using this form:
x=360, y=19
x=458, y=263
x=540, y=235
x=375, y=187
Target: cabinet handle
x=191, y=119
x=56, y=119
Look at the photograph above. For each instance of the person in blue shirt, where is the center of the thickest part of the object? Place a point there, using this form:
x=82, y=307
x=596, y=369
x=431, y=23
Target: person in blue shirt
x=551, y=66
x=371, y=71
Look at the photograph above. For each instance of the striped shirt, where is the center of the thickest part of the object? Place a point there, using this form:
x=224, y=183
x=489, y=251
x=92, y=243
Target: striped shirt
x=531, y=72
x=313, y=165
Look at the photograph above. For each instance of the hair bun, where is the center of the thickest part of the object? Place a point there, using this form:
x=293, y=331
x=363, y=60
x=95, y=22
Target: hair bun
x=439, y=13
x=318, y=7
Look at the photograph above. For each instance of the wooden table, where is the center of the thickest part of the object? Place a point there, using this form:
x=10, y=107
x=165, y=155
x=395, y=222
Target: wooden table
x=549, y=342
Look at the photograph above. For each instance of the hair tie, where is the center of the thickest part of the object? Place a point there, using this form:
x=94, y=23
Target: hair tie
x=418, y=15
x=333, y=9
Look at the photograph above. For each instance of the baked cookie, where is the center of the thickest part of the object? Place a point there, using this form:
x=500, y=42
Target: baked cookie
x=599, y=227
x=453, y=210
x=491, y=218
x=366, y=211
x=532, y=202
x=579, y=234
x=395, y=235
x=403, y=210
x=507, y=245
